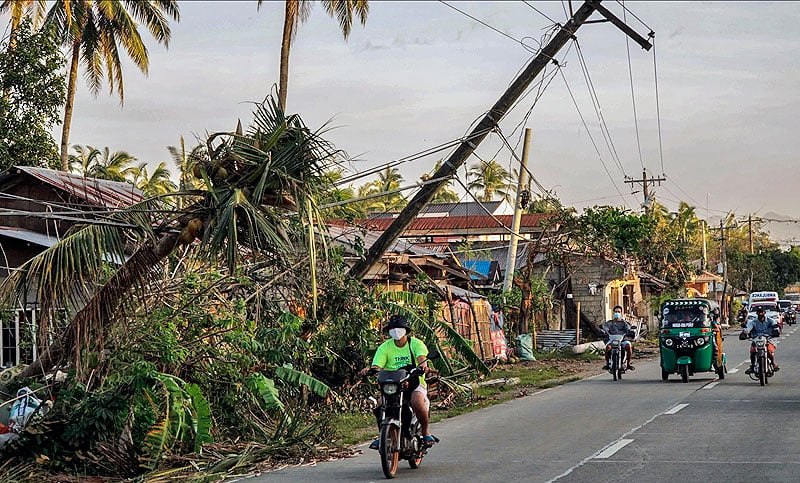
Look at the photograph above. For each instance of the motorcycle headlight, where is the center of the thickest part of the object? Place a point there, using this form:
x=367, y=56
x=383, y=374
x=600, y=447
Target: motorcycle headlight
x=668, y=342
x=700, y=341
x=390, y=388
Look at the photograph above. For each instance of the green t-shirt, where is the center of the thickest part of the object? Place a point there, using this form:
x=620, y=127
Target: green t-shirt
x=390, y=357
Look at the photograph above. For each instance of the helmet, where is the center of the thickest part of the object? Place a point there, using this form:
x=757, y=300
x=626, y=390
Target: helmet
x=398, y=321
x=760, y=309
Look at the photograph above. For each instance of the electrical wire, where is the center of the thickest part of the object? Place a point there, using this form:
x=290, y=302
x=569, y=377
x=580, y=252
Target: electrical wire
x=633, y=95
x=591, y=138
x=658, y=109
x=598, y=110
x=540, y=12
x=524, y=46
x=633, y=15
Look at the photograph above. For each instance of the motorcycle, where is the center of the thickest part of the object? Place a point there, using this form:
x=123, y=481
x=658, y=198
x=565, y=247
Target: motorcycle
x=741, y=317
x=762, y=367
x=790, y=316
x=618, y=361
x=401, y=433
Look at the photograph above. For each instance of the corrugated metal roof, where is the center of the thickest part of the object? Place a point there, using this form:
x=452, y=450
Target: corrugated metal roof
x=99, y=192
x=455, y=222
x=471, y=208
x=348, y=235
x=27, y=235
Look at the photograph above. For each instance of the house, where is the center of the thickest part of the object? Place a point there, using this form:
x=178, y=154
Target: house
x=37, y=207
x=598, y=284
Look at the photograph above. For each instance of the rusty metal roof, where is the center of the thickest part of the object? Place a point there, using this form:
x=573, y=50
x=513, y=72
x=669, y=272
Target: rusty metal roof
x=456, y=222
x=99, y=192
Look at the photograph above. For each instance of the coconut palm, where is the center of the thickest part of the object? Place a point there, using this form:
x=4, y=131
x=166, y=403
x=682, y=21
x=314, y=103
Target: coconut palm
x=185, y=161
x=114, y=166
x=444, y=194
x=17, y=9
x=155, y=184
x=94, y=32
x=84, y=160
x=260, y=186
x=297, y=12
x=491, y=179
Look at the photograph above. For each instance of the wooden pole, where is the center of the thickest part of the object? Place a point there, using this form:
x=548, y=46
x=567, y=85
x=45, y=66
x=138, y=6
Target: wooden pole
x=521, y=182
x=578, y=324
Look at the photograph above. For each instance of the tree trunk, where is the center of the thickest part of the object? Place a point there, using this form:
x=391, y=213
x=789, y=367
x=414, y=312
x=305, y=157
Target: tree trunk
x=92, y=321
x=288, y=26
x=73, y=76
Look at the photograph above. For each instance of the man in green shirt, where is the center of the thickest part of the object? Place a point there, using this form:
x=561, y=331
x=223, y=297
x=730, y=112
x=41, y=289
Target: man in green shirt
x=397, y=353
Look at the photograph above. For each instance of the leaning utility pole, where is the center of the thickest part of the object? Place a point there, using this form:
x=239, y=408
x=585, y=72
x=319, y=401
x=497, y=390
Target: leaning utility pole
x=511, y=259
x=486, y=125
x=645, y=182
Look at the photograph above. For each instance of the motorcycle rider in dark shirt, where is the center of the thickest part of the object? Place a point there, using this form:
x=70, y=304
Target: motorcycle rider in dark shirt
x=618, y=326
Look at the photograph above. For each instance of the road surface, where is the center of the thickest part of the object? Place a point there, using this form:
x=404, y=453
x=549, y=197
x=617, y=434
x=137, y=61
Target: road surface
x=637, y=429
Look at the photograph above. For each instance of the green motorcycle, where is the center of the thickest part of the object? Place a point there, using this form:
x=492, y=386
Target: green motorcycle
x=690, y=339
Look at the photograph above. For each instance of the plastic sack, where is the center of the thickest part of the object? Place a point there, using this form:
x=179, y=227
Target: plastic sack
x=525, y=347
x=22, y=409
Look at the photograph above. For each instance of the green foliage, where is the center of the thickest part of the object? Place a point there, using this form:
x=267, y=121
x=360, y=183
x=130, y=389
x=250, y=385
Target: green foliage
x=613, y=231
x=32, y=90
x=288, y=374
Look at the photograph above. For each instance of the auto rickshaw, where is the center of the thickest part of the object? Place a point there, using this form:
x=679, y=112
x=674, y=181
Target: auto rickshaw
x=690, y=339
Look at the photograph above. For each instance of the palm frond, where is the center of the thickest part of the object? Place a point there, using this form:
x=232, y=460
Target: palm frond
x=286, y=373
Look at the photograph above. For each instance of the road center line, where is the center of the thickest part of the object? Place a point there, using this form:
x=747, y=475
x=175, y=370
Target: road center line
x=609, y=452
x=733, y=371
x=675, y=409
x=710, y=385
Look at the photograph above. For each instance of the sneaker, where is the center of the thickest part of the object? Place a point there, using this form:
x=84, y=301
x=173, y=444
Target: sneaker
x=375, y=444
x=631, y=368
x=749, y=371
x=605, y=367
x=430, y=440
x=775, y=368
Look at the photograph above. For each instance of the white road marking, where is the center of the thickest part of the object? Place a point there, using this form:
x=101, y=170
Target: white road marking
x=609, y=451
x=675, y=409
x=710, y=385
x=733, y=371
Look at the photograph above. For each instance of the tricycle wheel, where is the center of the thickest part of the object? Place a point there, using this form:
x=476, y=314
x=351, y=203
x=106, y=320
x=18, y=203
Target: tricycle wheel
x=664, y=375
x=684, y=370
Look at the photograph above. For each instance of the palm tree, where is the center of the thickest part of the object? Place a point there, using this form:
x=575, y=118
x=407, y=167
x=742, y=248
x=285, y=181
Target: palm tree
x=185, y=162
x=114, y=166
x=94, y=32
x=444, y=194
x=155, y=184
x=297, y=12
x=491, y=180
x=262, y=186
x=388, y=180
x=84, y=160
x=17, y=9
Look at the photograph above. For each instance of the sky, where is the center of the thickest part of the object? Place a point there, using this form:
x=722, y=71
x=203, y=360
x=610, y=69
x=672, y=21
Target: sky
x=419, y=74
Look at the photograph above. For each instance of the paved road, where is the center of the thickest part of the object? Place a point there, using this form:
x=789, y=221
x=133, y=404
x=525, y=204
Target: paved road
x=640, y=428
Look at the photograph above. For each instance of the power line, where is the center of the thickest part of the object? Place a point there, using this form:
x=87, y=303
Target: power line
x=658, y=110
x=633, y=96
x=598, y=110
x=591, y=138
x=524, y=46
x=540, y=12
x=634, y=15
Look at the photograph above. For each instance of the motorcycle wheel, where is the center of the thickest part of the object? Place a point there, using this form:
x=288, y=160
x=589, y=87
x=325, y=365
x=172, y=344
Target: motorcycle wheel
x=415, y=461
x=762, y=370
x=389, y=450
x=684, y=370
x=614, y=366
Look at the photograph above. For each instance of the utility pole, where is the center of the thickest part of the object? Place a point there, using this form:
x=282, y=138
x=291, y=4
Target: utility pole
x=750, y=232
x=705, y=254
x=486, y=125
x=512, y=247
x=645, y=182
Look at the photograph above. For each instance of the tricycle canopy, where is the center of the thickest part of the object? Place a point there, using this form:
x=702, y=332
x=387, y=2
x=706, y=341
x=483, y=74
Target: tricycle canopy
x=688, y=313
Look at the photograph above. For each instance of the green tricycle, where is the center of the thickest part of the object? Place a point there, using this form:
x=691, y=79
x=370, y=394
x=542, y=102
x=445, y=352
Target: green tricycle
x=690, y=339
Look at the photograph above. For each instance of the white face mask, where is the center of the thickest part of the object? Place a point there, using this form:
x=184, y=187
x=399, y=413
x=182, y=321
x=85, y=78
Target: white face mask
x=397, y=334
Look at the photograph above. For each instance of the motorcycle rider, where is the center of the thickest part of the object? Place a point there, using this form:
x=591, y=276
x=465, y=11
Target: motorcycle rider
x=396, y=353
x=742, y=315
x=761, y=325
x=618, y=326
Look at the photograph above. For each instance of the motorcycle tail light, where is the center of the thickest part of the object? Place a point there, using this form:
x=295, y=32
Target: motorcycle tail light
x=390, y=389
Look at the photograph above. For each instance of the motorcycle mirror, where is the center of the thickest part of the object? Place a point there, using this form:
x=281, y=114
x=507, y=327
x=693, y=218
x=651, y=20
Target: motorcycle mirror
x=433, y=355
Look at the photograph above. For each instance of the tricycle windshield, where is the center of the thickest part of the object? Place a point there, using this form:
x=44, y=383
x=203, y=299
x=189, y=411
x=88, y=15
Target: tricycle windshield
x=685, y=318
